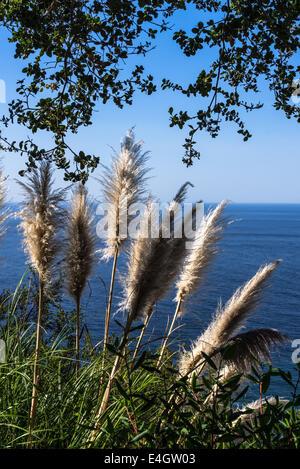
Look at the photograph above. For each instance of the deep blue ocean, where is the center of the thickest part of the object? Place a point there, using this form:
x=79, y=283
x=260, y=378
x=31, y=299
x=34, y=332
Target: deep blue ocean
x=262, y=233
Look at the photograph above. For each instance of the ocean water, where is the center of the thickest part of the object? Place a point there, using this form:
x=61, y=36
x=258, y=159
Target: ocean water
x=261, y=233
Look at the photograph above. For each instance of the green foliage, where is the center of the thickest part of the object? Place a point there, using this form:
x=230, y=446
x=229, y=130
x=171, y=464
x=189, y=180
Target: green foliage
x=74, y=54
x=23, y=313
x=148, y=408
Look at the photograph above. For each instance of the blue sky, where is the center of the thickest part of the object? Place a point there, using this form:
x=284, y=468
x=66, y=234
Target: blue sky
x=264, y=169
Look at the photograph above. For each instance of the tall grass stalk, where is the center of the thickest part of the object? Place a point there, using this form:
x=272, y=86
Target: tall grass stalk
x=77, y=335
x=110, y=298
x=141, y=336
x=152, y=267
x=80, y=253
x=165, y=343
x=106, y=395
x=197, y=262
x=34, y=399
x=154, y=262
x=41, y=220
x=123, y=186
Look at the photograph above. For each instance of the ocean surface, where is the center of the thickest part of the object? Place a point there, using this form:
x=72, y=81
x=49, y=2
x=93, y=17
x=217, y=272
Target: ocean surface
x=262, y=233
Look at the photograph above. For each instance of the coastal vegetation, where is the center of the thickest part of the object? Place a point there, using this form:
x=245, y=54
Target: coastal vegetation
x=57, y=390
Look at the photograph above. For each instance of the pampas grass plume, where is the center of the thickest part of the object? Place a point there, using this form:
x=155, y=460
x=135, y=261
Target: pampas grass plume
x=203, y=251
x=41, y=219
x=81, y=242
x=229, y=319
x=123, y=185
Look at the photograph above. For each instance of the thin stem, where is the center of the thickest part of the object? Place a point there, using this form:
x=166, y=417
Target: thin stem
x=138, y=345
x=107, y=315
x=114, y=370
x=77, y=335
x=111, y=290
x=169, y=334
x=34, y=399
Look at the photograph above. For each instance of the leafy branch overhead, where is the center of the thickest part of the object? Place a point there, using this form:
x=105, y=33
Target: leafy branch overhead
x=75, y=54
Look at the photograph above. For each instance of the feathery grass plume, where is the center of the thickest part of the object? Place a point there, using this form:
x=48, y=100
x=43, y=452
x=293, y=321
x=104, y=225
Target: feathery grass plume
x=123, y=185
x=42, y=218
x=80, y=251
x=246, y=350
x=197, y=262
x=203, y=251
x=152, y=267
x=228, y=320
x=255, y=344
x=181, y=194
x=135, y=299
x=153, y=262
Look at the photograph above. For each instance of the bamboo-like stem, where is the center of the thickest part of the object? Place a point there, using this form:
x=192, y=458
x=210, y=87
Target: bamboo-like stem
x=77, y=335
x=114, y=370
x=159, y=362
x=111, y=290
x=138, y=345
x=34, y=399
